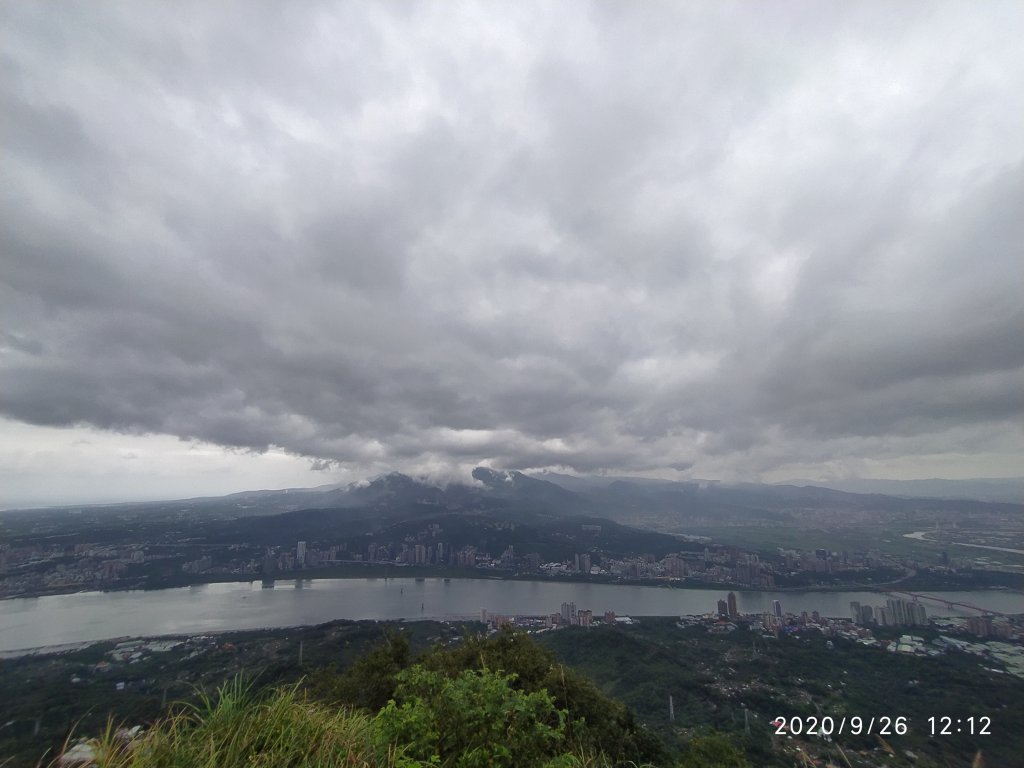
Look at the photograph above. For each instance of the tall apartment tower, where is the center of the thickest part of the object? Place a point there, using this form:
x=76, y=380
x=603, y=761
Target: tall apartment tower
x=569, y=613
x=300, y=554
x=733, y=611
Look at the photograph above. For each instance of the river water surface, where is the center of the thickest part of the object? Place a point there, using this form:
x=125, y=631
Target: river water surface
x=91, y=616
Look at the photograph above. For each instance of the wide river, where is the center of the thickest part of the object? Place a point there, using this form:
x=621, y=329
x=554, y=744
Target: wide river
x=90, y=616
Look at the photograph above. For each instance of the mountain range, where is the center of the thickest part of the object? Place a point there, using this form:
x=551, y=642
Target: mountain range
x=521, y=497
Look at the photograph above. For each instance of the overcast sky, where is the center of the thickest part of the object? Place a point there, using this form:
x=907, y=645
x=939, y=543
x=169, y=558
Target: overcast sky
x=262, y=244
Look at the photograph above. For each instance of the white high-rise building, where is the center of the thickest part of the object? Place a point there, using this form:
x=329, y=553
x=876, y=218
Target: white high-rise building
x=300, y=554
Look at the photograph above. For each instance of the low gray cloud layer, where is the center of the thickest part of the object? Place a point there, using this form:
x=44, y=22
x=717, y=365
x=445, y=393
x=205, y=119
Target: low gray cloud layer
x=724, y=239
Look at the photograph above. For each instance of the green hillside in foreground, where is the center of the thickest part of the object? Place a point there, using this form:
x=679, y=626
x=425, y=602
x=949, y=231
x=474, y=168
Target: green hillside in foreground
x=475, y=720
x=499, y=702
x=367, y=695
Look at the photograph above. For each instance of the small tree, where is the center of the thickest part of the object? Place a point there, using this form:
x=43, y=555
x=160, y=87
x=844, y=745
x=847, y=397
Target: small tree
x=473, y=720
x=370, y=682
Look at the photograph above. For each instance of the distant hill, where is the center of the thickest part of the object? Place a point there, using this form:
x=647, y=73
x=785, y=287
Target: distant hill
x=499, y=499
x=629, y=498
x=1002, y=489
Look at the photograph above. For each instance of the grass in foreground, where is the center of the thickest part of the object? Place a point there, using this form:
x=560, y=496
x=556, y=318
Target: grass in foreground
x=241, y=728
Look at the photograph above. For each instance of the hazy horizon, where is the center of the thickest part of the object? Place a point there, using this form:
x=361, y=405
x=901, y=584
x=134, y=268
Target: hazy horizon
x=1014, y=494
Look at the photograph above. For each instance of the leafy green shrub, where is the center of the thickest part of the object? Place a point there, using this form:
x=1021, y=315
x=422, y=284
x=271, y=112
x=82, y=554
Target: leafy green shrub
x=595, y=724
x=475, y=719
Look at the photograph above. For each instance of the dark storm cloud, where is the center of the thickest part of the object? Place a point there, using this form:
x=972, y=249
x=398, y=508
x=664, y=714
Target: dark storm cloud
x=718, y=239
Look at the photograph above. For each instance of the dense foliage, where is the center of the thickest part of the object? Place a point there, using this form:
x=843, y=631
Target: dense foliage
x=595, y=723
x=475, y=719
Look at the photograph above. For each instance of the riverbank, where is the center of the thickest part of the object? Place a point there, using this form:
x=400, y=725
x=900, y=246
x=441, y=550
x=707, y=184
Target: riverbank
x=971, y=581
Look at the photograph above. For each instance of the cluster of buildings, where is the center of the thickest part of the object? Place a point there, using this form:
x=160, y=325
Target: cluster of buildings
x=439, y=553
x=568, y=615
x=712, y=564
x=724, y=565
x=776, y=622
x=124, y=654
x=827, y=561
x=715, y=566
x=39, y=568
x=1011, y=656
x=727, y=612
x=984, y=626
x=895, y=613
x=52, y=568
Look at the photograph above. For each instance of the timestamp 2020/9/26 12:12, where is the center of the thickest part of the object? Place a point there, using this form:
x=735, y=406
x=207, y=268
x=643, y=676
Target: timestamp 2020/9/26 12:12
x=881, y=725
